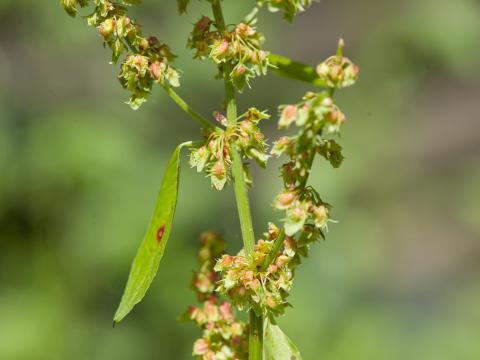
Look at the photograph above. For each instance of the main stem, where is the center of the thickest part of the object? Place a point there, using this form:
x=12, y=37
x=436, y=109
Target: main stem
x=255, y=340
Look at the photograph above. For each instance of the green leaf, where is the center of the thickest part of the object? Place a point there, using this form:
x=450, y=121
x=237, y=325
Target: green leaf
x=286, y=67
x=146, y=262
x=277, y=345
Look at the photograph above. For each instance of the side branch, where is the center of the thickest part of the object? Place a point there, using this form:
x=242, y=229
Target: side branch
x=185, y=107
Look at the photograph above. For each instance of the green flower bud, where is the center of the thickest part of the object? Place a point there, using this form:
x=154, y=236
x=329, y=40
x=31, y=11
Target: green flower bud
x=156, y=70
x=280, y=146
x=199, y=158
x=296, y=217
x=219, y=50
x=220, y=118
x=338, y=71
x=173, y=77
x=106, y=28
x=201, y=347
x=288, y=116
x=303, y=115
x=273, y=232
x=226, y=312
x=143, y=43
x=211, y=311
x=321, y=215
x=284, y=200
x=219, y=170
x=243, y=30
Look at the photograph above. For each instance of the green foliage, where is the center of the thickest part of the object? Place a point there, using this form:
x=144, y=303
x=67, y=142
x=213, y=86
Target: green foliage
x=278, y=346
x=151, y=250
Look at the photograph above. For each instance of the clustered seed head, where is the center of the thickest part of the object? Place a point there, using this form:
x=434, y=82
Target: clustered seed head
x=303, y=206
x=263, y=282
x=338, y=71
x=318, y=120
x=240, y=48
x=204, y=280
x=147, y=61
x=223, y=336
x=290, y=8
x=214, y=157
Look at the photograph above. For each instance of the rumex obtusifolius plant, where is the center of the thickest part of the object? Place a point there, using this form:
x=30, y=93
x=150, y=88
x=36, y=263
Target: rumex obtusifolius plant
x=260, y=277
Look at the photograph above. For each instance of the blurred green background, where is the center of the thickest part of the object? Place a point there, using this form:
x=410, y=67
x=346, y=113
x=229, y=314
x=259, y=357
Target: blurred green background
x=397, y=277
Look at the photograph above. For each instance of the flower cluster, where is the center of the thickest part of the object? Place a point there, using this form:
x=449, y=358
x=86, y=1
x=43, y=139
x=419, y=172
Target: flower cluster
x=223, y=336
x=214, y=157
x=204, y=280
x=318, y=119
x=303, y=206
x=289, y=7
x=263, y=281
x=147, y=61
x=239, y=48
x=338, y=71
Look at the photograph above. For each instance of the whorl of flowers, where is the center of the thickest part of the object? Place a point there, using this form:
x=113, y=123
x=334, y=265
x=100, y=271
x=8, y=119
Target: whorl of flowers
x=318, y=120
x=263, y=282
x=223, y=337
x=146, y=61
x=214, y=157
x=240, y=48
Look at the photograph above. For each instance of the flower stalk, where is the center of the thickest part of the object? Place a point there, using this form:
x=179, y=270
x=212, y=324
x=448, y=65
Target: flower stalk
x=187, y=108
x=255, y=341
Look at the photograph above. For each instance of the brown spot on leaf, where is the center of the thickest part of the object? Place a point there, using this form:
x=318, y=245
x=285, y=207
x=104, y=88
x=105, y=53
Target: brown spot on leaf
x=160, y=232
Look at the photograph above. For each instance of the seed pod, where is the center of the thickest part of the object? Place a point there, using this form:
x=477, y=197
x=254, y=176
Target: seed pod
x=285, y=199
x=288, y=116
x=106, y=28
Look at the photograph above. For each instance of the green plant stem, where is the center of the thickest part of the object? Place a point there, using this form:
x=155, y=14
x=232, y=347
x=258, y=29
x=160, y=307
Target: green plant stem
x=185, y=107
x=218, y=14
x=243, y=204
x=255, y=339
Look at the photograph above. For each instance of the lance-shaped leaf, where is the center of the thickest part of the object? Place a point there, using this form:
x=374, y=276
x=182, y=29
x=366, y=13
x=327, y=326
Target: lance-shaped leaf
x=146, y=262
x=286, y=67
x=277, y=345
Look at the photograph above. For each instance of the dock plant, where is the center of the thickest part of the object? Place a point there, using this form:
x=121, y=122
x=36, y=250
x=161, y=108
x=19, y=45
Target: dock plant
x=259, y=279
